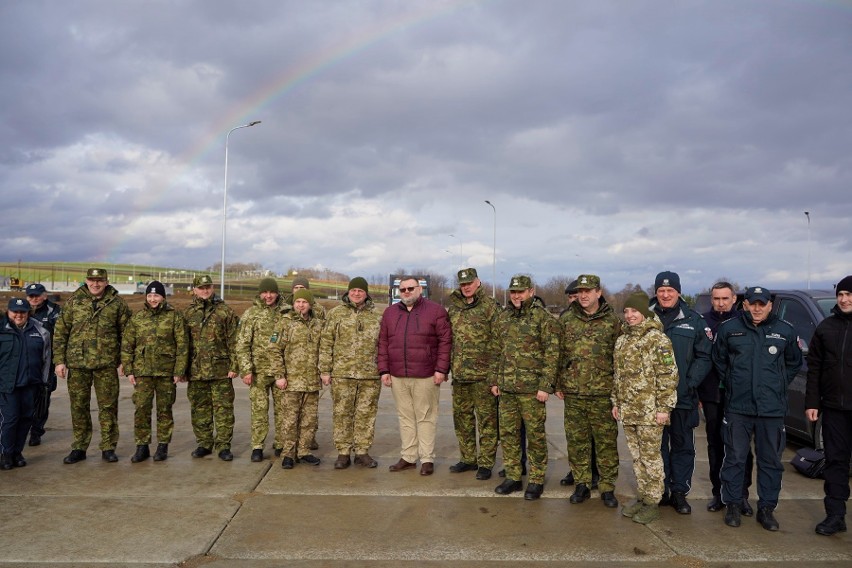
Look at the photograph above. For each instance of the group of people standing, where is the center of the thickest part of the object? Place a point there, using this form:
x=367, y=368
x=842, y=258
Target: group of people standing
x=652, y=371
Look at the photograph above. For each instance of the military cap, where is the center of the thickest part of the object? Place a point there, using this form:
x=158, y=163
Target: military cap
x=18, y=305
x=202, y=280
x=96, y=274
x=467, y=275
x=304, y=294
x=587, y=282
x=520, y=282
x=571, y=288
x=268, y=285
x=758, y=294
x=668, y=279
x=35, y=290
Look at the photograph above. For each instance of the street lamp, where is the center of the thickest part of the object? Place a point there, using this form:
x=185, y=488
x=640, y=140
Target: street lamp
x=808, y=215
x=494, y=257
x=225, y=207
x=461, y=252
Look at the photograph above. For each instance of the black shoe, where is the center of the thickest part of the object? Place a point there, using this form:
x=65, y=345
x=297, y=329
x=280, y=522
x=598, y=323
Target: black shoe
x=226, y=455
x=665, y=501
x=6, y=462
x=201, y=451
x=534, y=491
x=732, y=515
x=767, y=519
x=595, y=480
x=609, y=500
x=746, y=509
x=483, y=473
x=715, y=504
x=680, y=504
x=75, y=456
x=508, y=486
x=567, y=480
x=288, y=463
x=109, y=456
x=310, y=459
x=277, y=452
x=831, y=525
x=35, y=439
x=257, y=455
x=162, y=453
x=142, y=454
x=18, y=460
x=461, y=467
x=581, y=493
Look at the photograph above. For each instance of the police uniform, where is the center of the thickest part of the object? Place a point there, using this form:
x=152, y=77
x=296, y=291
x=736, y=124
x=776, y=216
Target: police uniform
x=46, y=314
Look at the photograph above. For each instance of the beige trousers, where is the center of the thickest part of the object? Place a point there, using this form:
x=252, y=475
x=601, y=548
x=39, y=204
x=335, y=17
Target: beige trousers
x=417, y=406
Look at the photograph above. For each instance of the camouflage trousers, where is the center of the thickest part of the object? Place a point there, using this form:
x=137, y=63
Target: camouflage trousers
x=644, y=444
x=299, y=421
x=356, y=403
x=80, y=382
x=259, y=392
x=143, y=399
x=211, y=404
x=473, y=404
x=514, y=409
x=588, y=420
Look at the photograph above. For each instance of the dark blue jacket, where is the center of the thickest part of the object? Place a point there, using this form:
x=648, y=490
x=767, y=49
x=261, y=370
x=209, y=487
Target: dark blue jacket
x=690, y=339
x=708, y=390
x=12, y=354
x=756, y=364
x=830, y=364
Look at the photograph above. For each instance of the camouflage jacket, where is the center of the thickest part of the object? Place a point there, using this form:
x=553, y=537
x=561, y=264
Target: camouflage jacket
x=257, y=325
x=645, y=373
x=474, y=338
x=349, y=342
x=155, y=343
x=295, y=351
x=528, y=349
x=212, y=339
x=586, y=349
x=88, y=332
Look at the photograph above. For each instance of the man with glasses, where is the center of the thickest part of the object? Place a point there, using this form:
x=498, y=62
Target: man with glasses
x=87, y=353
x=415, y=341
x=46, y=313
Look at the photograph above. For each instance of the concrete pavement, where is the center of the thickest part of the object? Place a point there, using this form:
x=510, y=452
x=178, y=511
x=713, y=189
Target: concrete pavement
x=205, y=512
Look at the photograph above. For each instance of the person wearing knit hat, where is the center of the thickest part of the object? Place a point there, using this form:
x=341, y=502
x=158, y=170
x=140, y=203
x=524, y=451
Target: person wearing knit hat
x=690, y=337
x=829, y=376
x=303, y=294
x=643, y=396
x=255, y=361
x=360, y=283
x=156, y=287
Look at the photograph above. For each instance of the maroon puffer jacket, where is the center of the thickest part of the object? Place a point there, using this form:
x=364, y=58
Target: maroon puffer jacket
x=415, y=343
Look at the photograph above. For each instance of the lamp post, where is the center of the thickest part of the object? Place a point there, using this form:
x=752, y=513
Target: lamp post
x=808, y=215
x=225, y=207
x=494, y=255
x=461, y=252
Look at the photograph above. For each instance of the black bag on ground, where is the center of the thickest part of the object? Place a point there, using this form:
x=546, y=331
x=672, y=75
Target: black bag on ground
x=809, y=462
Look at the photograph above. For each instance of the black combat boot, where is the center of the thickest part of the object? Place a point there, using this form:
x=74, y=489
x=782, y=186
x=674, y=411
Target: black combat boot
x=162, y=453
x=142, y=454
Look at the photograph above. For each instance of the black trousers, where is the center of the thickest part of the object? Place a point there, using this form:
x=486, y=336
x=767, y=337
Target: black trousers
x=678, y=449
x=837, y=441
x=714, y=412
x=16, y=417
x=770, y=440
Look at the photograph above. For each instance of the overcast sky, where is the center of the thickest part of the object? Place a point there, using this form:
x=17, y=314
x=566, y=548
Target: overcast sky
x=620, y=138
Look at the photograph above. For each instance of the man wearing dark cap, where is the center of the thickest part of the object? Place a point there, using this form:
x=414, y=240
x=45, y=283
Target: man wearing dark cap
x=256, y=363
x=24, y=368
x=87, y=352
x=829, y=391
x=347, y=362
x=46, y=313
x=212, y=367
x=473, y=316
x=571, y=292
x=691, y=343
x=757, y=355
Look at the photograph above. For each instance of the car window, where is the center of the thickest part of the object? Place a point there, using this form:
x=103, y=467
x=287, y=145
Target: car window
x=794, y=312
x=825, y=305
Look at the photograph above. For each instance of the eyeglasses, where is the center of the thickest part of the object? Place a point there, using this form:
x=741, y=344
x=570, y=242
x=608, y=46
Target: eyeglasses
x=409, y=289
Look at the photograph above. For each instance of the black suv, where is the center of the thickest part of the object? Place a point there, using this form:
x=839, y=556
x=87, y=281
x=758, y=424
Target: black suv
x=804, y=309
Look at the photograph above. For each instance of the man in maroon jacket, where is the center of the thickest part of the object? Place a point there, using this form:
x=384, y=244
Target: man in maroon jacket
x=415, y=341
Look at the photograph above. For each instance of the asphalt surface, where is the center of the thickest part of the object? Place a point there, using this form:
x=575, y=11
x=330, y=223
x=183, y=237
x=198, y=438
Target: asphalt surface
x=205, y=512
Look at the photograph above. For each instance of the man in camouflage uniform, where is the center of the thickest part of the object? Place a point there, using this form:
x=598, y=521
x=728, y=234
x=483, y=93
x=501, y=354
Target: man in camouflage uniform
x=256, y=363
x=528, y=363
x=213, y=364
x=589, y=331
x=347, y=361
x=87, y=351
x=296, y=343
x=46, y=313
x=473, y=315
x=154, y=356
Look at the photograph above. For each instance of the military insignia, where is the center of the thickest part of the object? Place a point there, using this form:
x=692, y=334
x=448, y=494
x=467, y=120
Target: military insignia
x=773, y=350
x=584, y=280
x=463, y=274
x=666, y=282
x=758, y=290
x=19, y=302
x=274, y=338
x=709, y=333
x=515, y=282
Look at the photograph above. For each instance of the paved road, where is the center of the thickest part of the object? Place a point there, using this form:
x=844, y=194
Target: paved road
x=206, y=512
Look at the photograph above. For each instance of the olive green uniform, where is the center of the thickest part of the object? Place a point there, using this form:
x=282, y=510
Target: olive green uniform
x=87, y=340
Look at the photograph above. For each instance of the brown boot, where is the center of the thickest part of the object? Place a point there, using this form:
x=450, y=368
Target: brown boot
x=342, y=461
x=365, y=460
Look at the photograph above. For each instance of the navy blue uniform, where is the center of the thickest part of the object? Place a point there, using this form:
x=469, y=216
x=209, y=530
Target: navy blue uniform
x=46, y=315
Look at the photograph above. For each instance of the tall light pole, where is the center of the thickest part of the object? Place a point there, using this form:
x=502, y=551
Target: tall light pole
x=461, y=252
x=494, y=255
x=225, y=207
x=808, y=215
